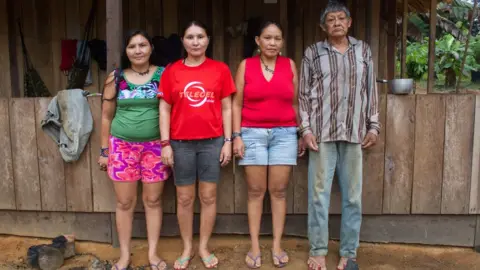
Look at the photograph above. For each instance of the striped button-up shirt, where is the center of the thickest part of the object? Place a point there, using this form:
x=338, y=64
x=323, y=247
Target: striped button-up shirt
x=338, y=96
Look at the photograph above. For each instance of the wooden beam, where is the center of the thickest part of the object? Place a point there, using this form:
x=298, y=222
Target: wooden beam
x=392, y=38
x=404, y=39
x=12, y=48
x=477, y=235
x=114, y=33
x=85, y=226
x=413, y=229
x=475, y=182
x=431, y=46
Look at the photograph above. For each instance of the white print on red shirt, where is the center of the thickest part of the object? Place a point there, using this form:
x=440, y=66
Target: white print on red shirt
x=196, y=94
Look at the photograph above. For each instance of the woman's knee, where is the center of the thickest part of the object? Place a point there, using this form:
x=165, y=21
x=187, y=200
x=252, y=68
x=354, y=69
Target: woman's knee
x=278, y=191
x=256, y=192
x=185, y=200
x=208, y=198
x=152, y=201
x=126, y=204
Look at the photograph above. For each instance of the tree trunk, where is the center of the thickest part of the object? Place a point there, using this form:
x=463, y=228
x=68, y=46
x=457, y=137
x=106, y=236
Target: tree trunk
x=450, y=78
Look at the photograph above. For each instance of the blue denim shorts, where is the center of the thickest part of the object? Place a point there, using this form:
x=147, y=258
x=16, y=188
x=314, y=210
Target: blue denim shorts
x=269, y=146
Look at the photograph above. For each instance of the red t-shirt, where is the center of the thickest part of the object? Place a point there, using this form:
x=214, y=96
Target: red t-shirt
x=195, y=94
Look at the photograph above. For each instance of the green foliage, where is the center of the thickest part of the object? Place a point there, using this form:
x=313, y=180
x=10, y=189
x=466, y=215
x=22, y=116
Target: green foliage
x=417, y=59
x=449, y=55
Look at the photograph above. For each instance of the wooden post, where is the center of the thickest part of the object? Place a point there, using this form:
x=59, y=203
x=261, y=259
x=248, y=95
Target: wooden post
x=114, y=33
x=392, y=38
x=12, y=48
x=431, y=45
x=404, y=39
x=474, y=11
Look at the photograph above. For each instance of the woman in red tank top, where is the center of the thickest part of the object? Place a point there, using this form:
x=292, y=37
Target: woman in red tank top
x=265, y=117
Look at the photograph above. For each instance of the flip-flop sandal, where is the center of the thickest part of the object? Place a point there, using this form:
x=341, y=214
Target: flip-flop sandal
x=279, y=258
x=156, y=266
x=116, y=267
x=206, y=261
x=253, y=264
x=182, y=262
x=317, y=265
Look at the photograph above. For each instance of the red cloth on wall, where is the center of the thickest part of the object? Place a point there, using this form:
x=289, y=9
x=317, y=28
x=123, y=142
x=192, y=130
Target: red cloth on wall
x=69, y=53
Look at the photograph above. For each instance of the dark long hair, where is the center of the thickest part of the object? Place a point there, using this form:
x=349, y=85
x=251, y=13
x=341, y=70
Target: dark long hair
x=200, y=24
x=125, y=62
x=266, y=24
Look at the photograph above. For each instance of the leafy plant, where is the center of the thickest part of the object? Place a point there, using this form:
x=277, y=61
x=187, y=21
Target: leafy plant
x=417, y=59
x=449, y=54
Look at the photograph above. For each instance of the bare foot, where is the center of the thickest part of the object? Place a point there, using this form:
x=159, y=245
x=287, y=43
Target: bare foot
x=317, y=263
x=253, y=259
x=184, y=260
x=342, y=264
x=279, y=256
x=156, y=263
x=209, y=259
x=121, y=264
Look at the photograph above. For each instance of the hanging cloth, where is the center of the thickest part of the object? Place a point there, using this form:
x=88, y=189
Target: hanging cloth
x=77, y=76
x=33, y=83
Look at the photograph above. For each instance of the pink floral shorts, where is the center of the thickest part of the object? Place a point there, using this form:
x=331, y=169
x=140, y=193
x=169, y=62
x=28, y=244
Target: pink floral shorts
x=132, y=161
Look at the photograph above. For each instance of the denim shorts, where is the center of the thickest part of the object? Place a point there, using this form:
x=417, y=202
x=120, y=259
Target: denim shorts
x=196, y=159
x=269, y=146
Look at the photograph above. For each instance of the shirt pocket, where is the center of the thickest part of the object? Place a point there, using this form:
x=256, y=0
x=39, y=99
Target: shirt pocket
x=361, y=70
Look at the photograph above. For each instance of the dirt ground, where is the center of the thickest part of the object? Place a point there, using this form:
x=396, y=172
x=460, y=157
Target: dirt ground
x=231, y=251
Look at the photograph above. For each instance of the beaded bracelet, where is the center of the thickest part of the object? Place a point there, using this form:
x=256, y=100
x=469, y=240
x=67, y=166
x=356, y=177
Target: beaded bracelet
x=104, y=152
x=165, y=143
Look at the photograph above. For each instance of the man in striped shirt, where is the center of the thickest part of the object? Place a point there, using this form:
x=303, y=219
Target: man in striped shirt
x=339, y=116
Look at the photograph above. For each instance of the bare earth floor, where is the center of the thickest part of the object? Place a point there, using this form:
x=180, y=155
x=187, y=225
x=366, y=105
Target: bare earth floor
x=231, y=251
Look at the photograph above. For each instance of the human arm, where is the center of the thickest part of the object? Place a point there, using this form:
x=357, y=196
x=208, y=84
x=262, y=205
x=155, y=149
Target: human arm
x=227, y=91
x=109, y=105
x=305, y=106
x=165, y=111
x=238, y=146
x=372, y=110
x=301, y=147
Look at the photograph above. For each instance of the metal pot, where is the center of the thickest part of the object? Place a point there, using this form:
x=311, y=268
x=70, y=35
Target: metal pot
x=399, y=86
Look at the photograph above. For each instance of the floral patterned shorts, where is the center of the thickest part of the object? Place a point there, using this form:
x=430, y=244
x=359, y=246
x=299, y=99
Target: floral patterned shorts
x=132, y=161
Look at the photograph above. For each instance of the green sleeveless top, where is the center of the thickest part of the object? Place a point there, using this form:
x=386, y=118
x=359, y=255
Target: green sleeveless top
x=137, y=116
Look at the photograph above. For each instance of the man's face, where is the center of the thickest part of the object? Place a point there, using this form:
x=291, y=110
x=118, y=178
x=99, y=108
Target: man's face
x=337, y=24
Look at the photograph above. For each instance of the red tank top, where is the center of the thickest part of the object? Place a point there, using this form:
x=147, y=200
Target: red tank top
x=268, y=104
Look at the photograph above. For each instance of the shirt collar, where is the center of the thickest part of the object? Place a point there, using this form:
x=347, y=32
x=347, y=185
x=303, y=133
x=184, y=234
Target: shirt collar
x=353, y=41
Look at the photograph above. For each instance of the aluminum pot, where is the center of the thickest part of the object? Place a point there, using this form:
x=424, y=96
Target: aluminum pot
x=399, y=86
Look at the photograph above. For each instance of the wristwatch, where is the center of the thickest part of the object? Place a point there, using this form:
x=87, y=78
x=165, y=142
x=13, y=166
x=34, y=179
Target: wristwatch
x=227, y=140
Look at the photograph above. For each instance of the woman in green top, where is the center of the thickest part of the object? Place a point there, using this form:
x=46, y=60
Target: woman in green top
x=131, y=148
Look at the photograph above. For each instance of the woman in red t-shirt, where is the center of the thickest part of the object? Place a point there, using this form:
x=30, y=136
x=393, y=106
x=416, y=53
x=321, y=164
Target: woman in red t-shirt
x=265, y=134
x=196, y=128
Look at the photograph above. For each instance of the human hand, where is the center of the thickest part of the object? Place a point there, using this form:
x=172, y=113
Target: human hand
x=226, y=154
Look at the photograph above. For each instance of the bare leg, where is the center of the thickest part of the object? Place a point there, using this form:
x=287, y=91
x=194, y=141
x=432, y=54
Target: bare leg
x=126, y=193
x=278, y=177
x=256, y=177
x=152, y=200
x=185, y=201
x=207, y=192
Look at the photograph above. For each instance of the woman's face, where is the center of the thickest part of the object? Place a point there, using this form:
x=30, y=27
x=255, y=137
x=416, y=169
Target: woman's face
x=195, y=41
x=139, y=50
x=270, y=41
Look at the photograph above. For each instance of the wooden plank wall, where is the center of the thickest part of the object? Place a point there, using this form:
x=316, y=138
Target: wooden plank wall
x=419, y=152
x=47, y=22
x=429, y=169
